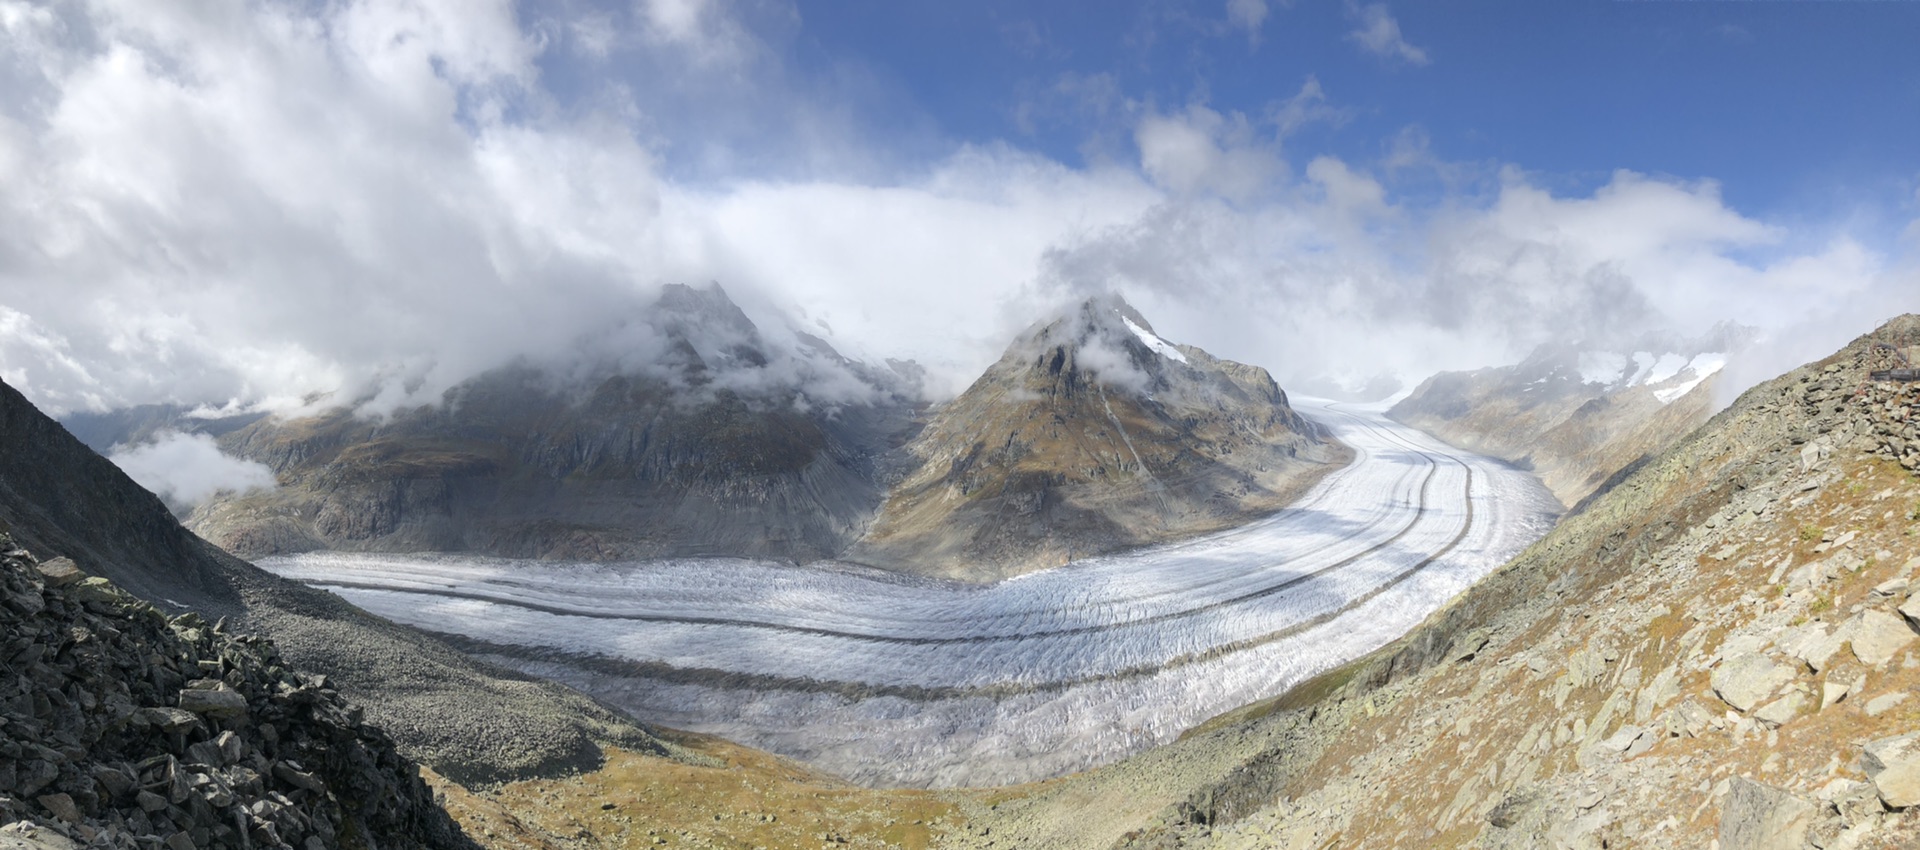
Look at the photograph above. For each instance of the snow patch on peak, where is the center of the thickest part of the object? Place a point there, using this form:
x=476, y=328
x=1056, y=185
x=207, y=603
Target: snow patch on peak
x=1643, y=363
x=1152, y=341
x=1668, y=366
x=1702, y=367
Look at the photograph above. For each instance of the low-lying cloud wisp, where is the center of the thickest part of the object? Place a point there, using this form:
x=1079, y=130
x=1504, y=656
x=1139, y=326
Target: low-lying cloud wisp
x=185, y=469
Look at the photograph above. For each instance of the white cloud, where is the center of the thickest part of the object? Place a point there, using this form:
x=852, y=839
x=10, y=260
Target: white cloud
x=1332, y=276
x=700, y=27
x=1247, y=15
x=940, y=269
x=1379, y=33
x=268, y=205
x=245, y=204
x=1199, y=150
x=1307, y=106
x=186, y=469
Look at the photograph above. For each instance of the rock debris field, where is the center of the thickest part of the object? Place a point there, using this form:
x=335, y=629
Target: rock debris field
x=901, y=681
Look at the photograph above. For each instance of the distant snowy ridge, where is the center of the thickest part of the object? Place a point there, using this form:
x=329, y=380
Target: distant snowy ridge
x=1671, y=375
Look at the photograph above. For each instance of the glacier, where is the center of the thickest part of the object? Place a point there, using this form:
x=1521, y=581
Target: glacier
x=891, y=680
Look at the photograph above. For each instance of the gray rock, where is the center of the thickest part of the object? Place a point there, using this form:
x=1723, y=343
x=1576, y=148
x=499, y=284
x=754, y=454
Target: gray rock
x=62, y=807
x=1786, y=708
x=1762, y=817
x=216, y=701
x=25, y=835
x=116, y=783
x=1747, y=680
x=1833, y=691
x=297, y=778
x=97, y=589
x=1814, y=455
x=1630, y=741
x=1911, y=611
x=168, y=719
x=60, y=572
x=1878, y=635
x=1817, y=647
x=231, y=747
x=1884, y=703
x=1893, y=765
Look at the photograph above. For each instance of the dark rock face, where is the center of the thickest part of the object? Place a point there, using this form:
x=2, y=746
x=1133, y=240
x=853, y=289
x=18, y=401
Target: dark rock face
x=470, y=721
x=120, y=727
x=1090, y=435
x=58, y=497
x=712, y=449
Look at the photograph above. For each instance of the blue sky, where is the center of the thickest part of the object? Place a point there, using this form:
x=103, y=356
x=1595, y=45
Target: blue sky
x=244, y=203
x=1790, y=105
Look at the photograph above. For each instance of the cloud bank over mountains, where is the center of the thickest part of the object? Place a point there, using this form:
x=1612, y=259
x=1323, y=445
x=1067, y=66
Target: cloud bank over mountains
x=246, y=204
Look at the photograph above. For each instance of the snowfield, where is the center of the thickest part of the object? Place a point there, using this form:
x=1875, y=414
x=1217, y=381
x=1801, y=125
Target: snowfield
x=891, y=680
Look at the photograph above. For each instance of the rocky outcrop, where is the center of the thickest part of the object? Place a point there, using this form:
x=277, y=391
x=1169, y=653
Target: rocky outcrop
x=122, y=727
x=1715, y=650
x=1577, y=416
x=468, y=720
x=1092, y=434
x=723, y=444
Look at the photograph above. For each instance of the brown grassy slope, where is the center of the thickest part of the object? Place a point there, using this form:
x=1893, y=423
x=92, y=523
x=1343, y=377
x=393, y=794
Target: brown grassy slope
x=1500, y=721
x=737, y=798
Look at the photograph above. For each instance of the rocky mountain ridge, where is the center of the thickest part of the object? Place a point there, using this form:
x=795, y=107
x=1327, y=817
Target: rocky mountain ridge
x=122, y=727
x=1092, y=434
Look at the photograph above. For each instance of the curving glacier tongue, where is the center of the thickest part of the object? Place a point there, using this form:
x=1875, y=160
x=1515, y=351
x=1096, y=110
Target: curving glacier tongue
x=898, y=681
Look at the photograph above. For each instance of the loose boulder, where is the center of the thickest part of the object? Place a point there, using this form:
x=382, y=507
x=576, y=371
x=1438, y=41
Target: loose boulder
x=1745, y=681
x=1878, y=635
x=1762, y=817
x=1893, y=765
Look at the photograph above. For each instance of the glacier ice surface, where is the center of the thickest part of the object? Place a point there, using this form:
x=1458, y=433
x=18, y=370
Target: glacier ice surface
x=893, y=680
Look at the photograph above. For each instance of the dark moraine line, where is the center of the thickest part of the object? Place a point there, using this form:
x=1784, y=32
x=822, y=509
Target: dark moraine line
x=729, y=679
x=1270, y=590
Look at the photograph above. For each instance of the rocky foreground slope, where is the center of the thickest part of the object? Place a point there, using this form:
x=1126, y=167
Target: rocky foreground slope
x=121, y=727
x=1723, y=648
x=1574, y=414
x=470, y=721
x=719, y=443
x=1092, y=434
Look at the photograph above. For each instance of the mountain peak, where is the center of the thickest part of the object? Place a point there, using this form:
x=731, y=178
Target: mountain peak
x=1105, y=339
x=1092, y=433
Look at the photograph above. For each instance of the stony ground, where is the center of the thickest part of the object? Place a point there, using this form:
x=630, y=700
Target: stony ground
x=467, y=719
x=121, y=727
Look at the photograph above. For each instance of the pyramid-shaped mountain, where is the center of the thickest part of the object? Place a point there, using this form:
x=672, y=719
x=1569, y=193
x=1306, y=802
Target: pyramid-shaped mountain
x=1092, y=434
